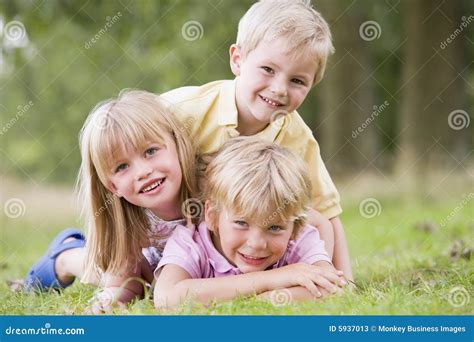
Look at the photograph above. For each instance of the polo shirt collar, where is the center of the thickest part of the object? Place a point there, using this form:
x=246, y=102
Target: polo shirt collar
x=229, y=116
x=216, y=259
x=227, y=108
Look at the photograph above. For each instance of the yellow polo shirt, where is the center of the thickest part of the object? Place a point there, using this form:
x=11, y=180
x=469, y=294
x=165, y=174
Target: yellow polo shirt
x=210, y=116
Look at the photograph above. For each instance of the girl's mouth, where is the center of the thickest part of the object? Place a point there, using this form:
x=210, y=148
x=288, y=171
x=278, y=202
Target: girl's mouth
x=153, y=185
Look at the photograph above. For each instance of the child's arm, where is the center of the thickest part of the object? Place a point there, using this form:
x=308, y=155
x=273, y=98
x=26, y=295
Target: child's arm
x=299, y=293
x=123, y=288
x=341, y=257
x=325, y=229
x=174, y=284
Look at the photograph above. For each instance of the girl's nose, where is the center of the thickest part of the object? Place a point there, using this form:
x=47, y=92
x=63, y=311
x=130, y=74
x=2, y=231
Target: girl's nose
x=143, y=170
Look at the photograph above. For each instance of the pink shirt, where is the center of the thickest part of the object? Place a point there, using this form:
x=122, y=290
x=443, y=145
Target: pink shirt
x=193, y=250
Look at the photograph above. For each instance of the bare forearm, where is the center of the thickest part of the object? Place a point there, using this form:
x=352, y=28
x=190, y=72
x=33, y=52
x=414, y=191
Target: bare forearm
x=290, y=295
x=341, y=258
x=325, y=229
x=215, y=289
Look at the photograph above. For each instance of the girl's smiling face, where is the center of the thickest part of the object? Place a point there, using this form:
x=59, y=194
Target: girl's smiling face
x=149, y=178
x=246, y=243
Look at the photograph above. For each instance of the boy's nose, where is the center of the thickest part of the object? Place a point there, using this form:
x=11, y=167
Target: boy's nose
x=279, y=87
x=256, y=241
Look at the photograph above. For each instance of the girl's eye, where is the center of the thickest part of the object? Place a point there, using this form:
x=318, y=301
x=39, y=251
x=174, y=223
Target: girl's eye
x=268, y=69
x=151, y=151
x=121, y=167
x=297, y=81
x=275, y=229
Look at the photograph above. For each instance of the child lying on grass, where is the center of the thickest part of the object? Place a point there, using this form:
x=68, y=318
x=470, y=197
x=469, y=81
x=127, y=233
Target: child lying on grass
x=254, y=239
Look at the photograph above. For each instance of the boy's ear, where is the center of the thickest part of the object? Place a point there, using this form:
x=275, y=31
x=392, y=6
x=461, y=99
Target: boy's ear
x=235, y=59
x=209, y=215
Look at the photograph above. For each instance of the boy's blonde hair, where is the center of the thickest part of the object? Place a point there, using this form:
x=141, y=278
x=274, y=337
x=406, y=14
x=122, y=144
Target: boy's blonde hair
x=117, y=229
x=259, y=180
x=302, y=27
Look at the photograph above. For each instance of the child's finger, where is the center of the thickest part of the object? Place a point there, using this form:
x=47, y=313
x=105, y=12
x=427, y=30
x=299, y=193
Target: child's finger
x=331, y=276
x=309, y=285
x=325, y=283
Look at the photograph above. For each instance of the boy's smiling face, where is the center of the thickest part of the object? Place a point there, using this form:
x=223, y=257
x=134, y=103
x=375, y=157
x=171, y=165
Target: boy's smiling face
x=247, y=244
x=269, y=80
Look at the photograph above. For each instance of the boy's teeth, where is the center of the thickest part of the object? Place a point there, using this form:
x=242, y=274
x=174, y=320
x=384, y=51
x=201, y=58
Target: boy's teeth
x=152, y=186
x=251, y=257
x=274, y=104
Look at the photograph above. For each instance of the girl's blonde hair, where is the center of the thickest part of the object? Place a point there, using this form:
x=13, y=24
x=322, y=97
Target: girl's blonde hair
x=296, y=21
x=117, y=229
x=259, y=180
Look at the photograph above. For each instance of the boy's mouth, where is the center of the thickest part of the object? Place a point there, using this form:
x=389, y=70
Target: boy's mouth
x=251, y=260
x=152, y=185
x=272, y=103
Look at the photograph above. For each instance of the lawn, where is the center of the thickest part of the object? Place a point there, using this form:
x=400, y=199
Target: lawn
x=409, y=256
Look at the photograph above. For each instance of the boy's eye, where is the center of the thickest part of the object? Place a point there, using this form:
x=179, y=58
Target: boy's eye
x=151, y=151
x=297, y=81
x=121, y=167
x=268, y=69
x=275, y=229
x=241, y=223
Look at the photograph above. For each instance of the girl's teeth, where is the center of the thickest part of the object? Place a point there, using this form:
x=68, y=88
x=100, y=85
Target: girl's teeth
x=152, y=186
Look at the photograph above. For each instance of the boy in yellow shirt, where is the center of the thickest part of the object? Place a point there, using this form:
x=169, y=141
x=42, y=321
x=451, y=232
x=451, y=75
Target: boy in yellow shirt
x=281, y=52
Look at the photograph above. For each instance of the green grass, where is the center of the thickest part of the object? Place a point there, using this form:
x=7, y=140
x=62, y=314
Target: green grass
x=399, y=268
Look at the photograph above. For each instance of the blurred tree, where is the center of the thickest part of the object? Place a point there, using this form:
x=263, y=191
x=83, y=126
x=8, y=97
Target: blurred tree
x=432, y=86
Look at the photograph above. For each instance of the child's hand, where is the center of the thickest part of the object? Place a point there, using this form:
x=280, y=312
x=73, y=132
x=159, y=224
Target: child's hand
x=104, y=301
x=321, y=274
